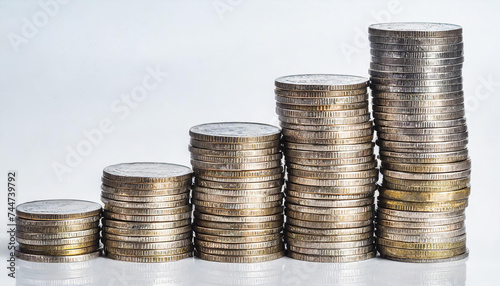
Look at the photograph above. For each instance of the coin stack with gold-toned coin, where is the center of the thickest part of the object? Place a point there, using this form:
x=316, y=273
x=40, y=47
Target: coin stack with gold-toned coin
x=58, y=231
x=331, y=169
x=237, y=194
x=147, y=214
x=416, y=78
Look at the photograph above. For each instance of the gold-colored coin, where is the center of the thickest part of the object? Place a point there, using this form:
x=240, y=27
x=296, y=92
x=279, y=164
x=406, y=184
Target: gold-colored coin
x=149, y=259
x=239, y=212
x=240, y=259
x=428, y=168
x=239, y=225
x=237, y=239
x=146, y=232
x=61, y=235
x=238, y=246
x=58, y=247
x=147, y=218
x=64, y=252
x=231, y=232
x=57, y=259
x=330, y=210
x=233, y=206
x=60, y=241
x=145, y=211
x=326, y=197
x=238, y=252
x=237, y=200
x=424, y=207
x=332, y=259
x=458, y=183
x=317, y=217
x=420, y=254
x=409, y=231
x=424, y=196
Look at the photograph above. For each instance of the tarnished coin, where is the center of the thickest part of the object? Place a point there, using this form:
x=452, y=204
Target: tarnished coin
x=238, y=252
x=240, y=259
x=341, y=252
x=331, y=190
x=420, y=254
x=417, y=188
x=150, y=245
x=420, y=215
x=63, y=252
x=236, y=206
x=329, y=210
x=332, y=259
x=59, y=241
x=149, y=259
x=145, y=232
x=238, y=193
x=239, y=212
x=327, y=225
x=238, y=246
x=321, y=114
x=329, y=203
x=56, y=223
x=149, y=252
x=398, y=146
x=335, y=168
x=423, y=131
x=146, y=239
x=443, y=230
x=236, y=160
x=341, y=141
x=237, y=239
x=327, y=128
x=334, y=176
x=289, y=146
x=322, y=82
x=330, y=245
x=405, y=224
x=329, y=232
x=335, y=107
x=424, y=196
x=329, y=154
x=235, y=147
x=422, y=138
x=418, y=98
x=418, y=103
x=417, y=61
x=320, y=217
x=418, y=110
x=331, y=162
x=143, y=172
x=145, y=186
x=235, y=132
x=242, y=180
x=148, y=212
x=457, y=183
x=237, y=200
x=239, y=225
x=326, y=120
x=232, y=232
x=333, y=183
x=142, y=205
x=31, y=235
x=419, y=117
x=417, y=55
x=428, y=168
x=138, y=226
x=236, y=166
x=328, y=238
x=47, y=248
x=145, y=193
x=427, y=176
x=412, y=260
x=238, y=186
x=438, y=237
x=415, y=30
x=146, y=199
x=57, y=259
x=326, y=135
x=423, y=158
x=228, y=175
x=147, y=218
x=446, y=206
x=239, y=219
x=417, y=47
x=326, y=197
x=416, y=68
x=57, y=229
x=234, y=153
x=57, y=209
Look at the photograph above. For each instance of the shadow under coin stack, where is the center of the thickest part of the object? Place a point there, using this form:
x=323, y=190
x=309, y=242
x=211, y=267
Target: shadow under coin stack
x=147, y=215
x=58, y=231
x=331, y=168
x=237, y=194
x=416, y=76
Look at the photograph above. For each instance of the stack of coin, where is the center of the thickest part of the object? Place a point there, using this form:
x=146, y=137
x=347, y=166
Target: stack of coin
x=422, y=134
x=147, y=215
x=237, y=192
x=331, y=169
x=58, y=230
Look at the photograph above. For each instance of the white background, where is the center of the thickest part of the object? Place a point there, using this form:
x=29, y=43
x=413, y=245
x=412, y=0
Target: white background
x=60, y=79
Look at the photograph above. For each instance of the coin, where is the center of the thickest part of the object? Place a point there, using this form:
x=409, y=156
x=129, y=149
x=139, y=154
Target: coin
x=329, y=217
x=149, y=245
x=146, y=232
x=147, y=205
x=145, y=193
x=333, y=175
x=237, y=239
x=328, y=238
x=413, y=260
x=148, y=211
x=56, y=229
x=331, y=190
x=329, y=203
x=238, y=246
x=427, y=176
x=238, y=186
x=416, y=48
x=334, y=168
x=330, y=245
x=321, y=82
x=48, y=248
x=235, y=132
x=234, y=153
x=234, y=147
x=145, y=199
x=239, y=219
x=237, y=200
x=240, y=259
x=418, y=103
x=319, y=101
x=429, y=168
x=326, y=135
x=322, y=225
x=239, y=212
x=236, y=206
x=239, y=225
x=238, y=252
x=61, y=235
x=57, y=259
x=332, y=252
x=313, y=196
x=421, y=254
x=146, y=218
x=319, y=93
x=149, y=252
x=146, y=239
x=326, y=232
x=327, y=128
x=424, y=207
x=146, y=172
x=333, y=183
x=236, y=166
x=149, y=259
x=59, y=241
x=415, y=30
x=332, y=259
x=64, y=252
x=132, y=226
x=237, y=193
x=57, y=209
x=231, y=232
x=236, y=160
x=326, y=120
x=338, y=107
x=144, y=186
x=424, y=196
x=421, y=215
x=228, y=175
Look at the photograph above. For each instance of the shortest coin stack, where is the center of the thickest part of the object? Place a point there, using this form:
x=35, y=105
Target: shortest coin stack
x=237, y=193
x=147, y=214
x=58, y=230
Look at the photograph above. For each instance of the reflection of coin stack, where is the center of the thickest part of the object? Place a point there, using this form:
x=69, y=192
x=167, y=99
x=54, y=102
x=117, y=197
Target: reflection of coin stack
x=422, y=135
x=147, y=214
x=265, y=273
x=331, y=168
x=58, y=230
x=237, y=192
x=75, y=273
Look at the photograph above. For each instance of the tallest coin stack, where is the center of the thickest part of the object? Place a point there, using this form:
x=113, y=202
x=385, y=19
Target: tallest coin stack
x=331, y=169
x=418, y=107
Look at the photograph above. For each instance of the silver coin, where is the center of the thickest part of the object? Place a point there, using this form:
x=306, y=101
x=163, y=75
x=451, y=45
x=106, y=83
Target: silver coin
x=418, y=96
x=419, y=117
x=321, y=82
x=421, y=124
x=322, y=100
x=417, y=48
x=417, y=62
x=418, y=103
x=416, y=82
x=422, y=138
x=415, y=68
x=326, y=121
x=414, y=76
x=57, y=209
x=417, y=41
x=415, y=30
x=423, y=131
x=417, y=55
x=418, y=110
x=413, y=89
x=232, y=132
x=147, y=172
x=416, y=147
x=331, y=128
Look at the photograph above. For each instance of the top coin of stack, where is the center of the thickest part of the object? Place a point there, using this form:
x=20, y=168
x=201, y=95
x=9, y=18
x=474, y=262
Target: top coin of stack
x=237, y=193
x=331, y=168
x=58, y=230
x=416, y=75
x=147, y=215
